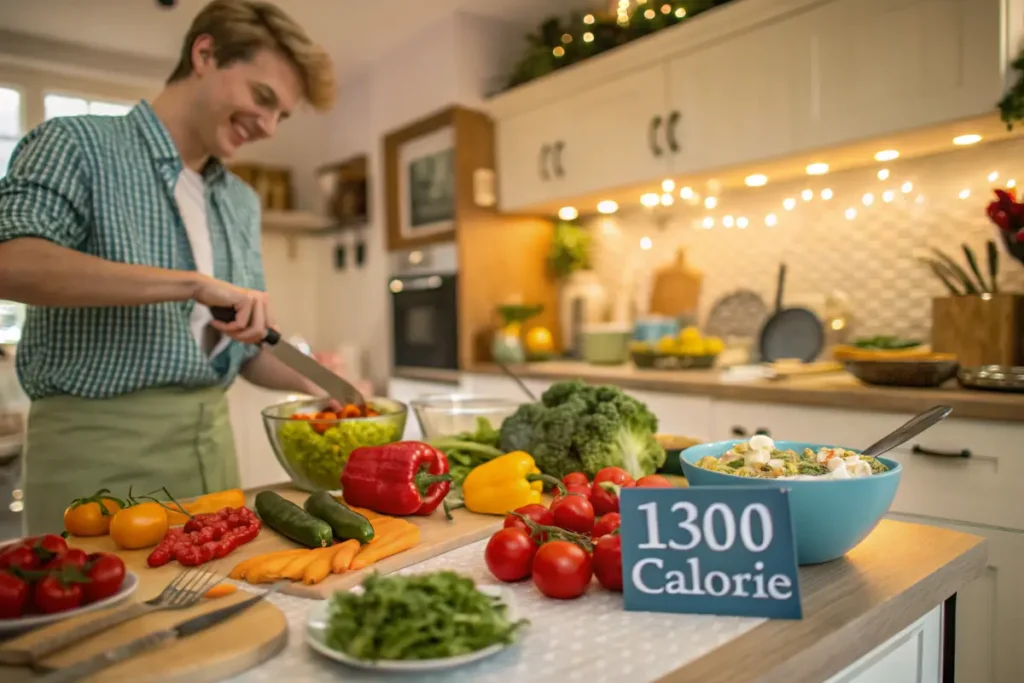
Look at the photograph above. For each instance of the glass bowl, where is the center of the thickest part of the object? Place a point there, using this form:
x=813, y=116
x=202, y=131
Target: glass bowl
x=441, y=415
x=314, y=453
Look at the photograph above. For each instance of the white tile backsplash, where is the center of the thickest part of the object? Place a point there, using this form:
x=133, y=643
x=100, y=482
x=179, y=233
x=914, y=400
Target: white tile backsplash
x=861, y=241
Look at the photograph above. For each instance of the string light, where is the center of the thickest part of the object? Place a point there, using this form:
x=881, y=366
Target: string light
x=645, y=243
x=668, y=185
x=708, y=222
x=868, y=199
x=818, y=168
x=883, y=174
x=666, y=9
x=907, y=187
x=888, y=196
x=756, y=180
x=588, y=19
x=1011, y=183
x=887, y=155
x=686, y=193
x=851, y=213
x=728, y=221
x=680, y=13
x=807, y=195
x=649, y=14
x=789, y=204
x=742, y=222
x=965, y=193
x=667, y=199
x=566, y=38
x=710, y=202
x=961, y=140
x=993, y=176
x=607, y=206
x=588, y=37
x=826, y=194
x=771, y=220
x=650, y=199
x=568, y=213
x=559, y=51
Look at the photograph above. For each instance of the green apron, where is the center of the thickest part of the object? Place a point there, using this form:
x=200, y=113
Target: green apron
x=175, y=438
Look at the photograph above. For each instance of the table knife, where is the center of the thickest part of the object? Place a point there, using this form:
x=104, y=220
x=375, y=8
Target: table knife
x=335, y=386
x=97, y=663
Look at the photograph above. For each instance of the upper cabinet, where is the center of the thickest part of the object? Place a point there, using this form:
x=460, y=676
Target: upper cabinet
x=753, y=80
x=884, y=66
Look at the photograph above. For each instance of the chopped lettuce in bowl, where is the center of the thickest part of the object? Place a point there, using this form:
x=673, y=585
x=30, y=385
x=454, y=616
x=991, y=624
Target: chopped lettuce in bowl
x=314, y=452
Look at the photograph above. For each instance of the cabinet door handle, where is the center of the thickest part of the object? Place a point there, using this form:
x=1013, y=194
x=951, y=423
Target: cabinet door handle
x=670, y=131
x=738, y=431
x=545, y=150
x=652, y=136
x=557, y=159
x=763, y=431
x=921, y=450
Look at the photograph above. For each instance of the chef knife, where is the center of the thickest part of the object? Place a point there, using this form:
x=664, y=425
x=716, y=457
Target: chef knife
x=97, y=663
x=335, y=386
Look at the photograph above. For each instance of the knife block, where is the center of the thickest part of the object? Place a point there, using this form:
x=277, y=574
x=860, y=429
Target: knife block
x=981, y=330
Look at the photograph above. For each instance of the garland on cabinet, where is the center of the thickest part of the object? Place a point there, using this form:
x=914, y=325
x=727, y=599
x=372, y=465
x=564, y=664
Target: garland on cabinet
x=558, y=43
x=1011, y=107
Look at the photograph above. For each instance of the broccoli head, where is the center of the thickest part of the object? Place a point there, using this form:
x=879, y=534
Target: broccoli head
x=578, y=427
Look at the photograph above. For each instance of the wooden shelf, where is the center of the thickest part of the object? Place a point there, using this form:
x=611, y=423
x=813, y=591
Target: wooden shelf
x=301, y=223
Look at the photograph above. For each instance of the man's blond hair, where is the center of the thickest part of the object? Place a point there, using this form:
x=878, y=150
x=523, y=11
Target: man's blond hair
x=241, y=28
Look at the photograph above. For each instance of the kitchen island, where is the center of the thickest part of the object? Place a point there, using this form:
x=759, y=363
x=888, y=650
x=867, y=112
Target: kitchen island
x=867, y=617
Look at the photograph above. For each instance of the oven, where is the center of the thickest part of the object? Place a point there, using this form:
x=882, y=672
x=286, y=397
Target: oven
x=424, y=310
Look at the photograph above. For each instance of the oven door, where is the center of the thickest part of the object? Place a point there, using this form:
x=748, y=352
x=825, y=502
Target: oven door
x=424, y=322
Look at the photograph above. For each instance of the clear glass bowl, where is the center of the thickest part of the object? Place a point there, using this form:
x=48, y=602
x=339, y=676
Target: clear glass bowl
x=314, y=455
x=442, y=415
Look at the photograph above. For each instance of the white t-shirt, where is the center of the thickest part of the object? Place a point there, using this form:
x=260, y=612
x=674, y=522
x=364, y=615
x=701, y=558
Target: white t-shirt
x=190, y=193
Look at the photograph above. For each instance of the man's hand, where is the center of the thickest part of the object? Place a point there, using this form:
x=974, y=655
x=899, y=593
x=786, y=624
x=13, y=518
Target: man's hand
x=252, y=312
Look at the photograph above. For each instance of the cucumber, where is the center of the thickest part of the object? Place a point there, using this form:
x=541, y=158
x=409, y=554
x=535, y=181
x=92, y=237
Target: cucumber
x=288, y=519
x=346, y=522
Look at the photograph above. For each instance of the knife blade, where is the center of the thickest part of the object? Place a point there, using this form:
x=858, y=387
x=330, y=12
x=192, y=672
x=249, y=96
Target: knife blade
x=106, y=659
x=335, y=386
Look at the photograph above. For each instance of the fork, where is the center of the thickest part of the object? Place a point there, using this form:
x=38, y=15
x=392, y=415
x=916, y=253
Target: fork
x=184, y=591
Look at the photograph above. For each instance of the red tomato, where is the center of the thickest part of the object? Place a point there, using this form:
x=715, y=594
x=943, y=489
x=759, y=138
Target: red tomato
x=20, y=557
x=74, y=557
x=105, y=572
x=605, y=496
x=608, y=562
x=535, y=512
x=13, y=596
x=53, y=596
x=654, y=481
x=615, y=475
x=575, y=478
x=607, y=524
x=509, y=554
x=573, y=513
x=578, y=489
x=562, y=570
x=51, y=543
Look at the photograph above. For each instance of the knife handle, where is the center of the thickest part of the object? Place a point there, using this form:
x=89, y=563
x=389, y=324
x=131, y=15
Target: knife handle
x=227, y=315
x=97, y=663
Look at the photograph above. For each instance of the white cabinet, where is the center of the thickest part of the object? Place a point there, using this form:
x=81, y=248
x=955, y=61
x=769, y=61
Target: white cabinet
x=618, y=134
x=532, y=157
x=990, y=610
x=912, y=656
x=744, y=98
x=883, y=66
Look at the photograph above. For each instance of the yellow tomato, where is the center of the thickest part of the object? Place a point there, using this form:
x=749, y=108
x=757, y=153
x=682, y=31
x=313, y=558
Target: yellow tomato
x=539, y=340
x=139, y=526
x=86, y=518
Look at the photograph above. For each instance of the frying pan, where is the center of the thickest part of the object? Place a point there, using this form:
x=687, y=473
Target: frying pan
x=790, y=332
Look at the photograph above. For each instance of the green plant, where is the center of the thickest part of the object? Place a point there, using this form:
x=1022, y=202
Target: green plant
x=1011, y=107
x=570, y=250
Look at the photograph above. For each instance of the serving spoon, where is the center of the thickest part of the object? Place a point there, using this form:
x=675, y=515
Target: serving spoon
x=908, y=431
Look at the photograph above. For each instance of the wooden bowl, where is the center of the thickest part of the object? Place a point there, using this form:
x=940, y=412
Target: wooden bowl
x=904, y=373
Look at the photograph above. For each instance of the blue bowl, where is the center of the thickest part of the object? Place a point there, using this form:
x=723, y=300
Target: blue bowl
x=830, y=516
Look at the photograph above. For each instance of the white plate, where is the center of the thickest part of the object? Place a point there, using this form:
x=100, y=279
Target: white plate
x=128, y=586
x=316, y=635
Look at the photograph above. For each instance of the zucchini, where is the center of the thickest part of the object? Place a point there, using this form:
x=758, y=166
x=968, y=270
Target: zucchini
x=288, y=519
x=346, y=522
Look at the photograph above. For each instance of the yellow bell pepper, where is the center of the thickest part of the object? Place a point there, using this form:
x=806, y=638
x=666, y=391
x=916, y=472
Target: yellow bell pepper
x=508, y=482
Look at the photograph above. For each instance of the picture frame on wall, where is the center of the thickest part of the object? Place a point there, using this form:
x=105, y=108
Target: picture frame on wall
x=422, y=183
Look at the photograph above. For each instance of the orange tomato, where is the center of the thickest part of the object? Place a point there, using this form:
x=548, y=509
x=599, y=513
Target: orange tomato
x=139, y=526
x=86, y=518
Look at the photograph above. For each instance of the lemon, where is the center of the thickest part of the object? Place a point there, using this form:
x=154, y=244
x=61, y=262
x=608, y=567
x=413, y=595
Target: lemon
x=539, y=340
x=692, y=348
x=689, y=334
x=713, y=346
x=666, y=344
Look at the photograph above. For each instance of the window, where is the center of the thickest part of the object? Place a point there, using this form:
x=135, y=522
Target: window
x=64, y=105
x=10, y=125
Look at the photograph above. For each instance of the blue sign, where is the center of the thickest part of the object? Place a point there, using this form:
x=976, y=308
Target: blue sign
x=709, y=550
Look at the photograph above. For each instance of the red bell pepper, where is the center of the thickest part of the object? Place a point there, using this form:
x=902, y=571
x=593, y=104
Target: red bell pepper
x=404, y=478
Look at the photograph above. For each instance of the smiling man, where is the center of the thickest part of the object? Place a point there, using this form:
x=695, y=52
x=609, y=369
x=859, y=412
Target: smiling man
x=120, y=233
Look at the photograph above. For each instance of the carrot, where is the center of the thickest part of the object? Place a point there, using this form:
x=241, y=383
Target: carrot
x=386, y=546
x=297, y=567
x=272, y=568
x=243, y=567
x=318, y=570
x=220, y=590
x=343, y=558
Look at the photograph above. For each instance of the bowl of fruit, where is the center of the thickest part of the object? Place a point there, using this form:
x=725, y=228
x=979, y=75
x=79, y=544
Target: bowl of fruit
x=313, y=442
x=689, y=350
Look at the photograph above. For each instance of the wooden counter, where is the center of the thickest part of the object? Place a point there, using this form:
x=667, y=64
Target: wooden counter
x=851, y=606
x=836, y=390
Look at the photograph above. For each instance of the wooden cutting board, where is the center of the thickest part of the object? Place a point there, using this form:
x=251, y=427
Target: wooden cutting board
x=437, y=536
x=222, y=651
x=675, y=290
